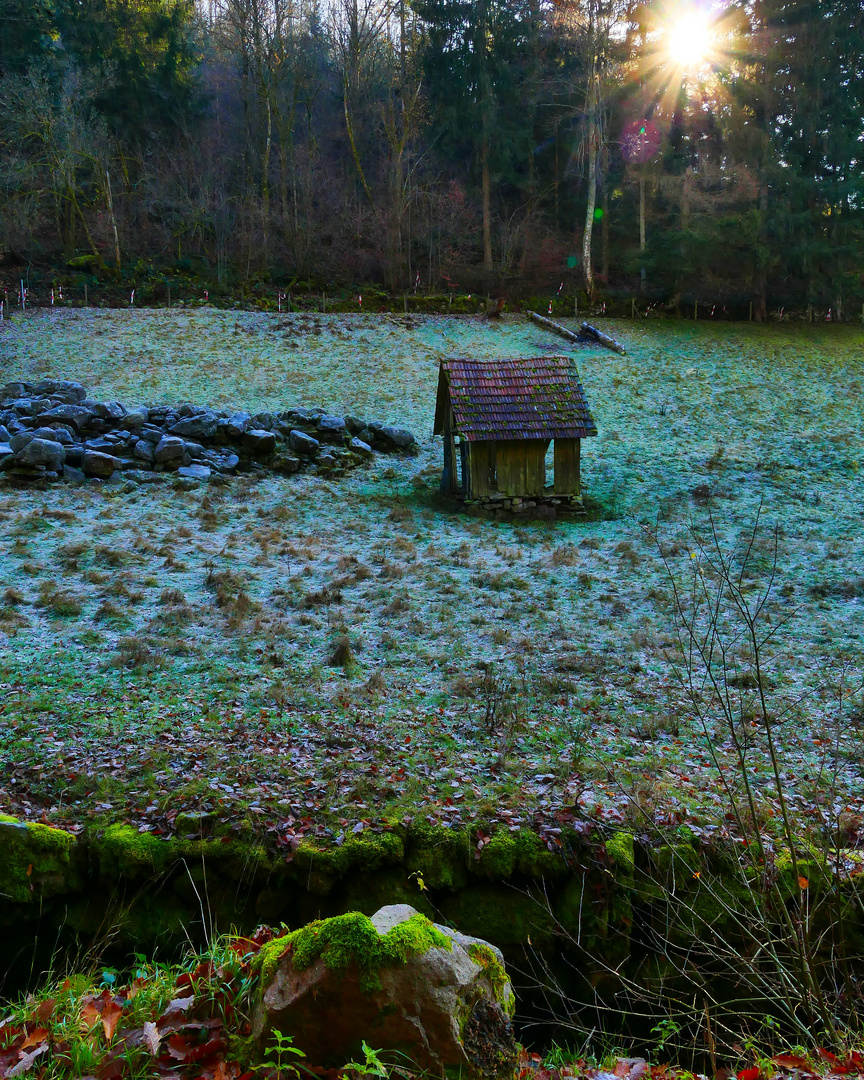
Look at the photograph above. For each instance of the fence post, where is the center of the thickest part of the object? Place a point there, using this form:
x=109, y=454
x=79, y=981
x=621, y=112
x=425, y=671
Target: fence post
x=86, y=304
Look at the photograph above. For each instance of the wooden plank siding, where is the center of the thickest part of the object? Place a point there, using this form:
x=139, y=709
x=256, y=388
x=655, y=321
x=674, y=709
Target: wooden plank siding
x=481, y=469
x=567, y=454
x=521, y=466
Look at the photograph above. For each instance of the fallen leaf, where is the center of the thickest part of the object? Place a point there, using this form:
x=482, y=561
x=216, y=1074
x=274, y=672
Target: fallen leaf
x=26, y=1062
x=749, y=1074
x=111, y=1014
x=46, y=1010
x=803, y=883
x=151, y=1037
x=36, y=1036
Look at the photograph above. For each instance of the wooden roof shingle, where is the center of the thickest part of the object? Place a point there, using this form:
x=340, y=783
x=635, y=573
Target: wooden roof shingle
x=538, y=397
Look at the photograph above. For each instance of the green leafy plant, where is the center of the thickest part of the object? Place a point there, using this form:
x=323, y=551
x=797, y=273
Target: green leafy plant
x=282, y=1052
x=372, y=1066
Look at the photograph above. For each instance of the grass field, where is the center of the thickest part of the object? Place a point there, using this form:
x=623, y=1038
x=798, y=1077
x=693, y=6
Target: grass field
x=303, y=653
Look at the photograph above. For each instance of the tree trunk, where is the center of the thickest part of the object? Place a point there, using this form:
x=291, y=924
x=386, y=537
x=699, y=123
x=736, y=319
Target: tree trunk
x=487, y=214
x=589, y=210
x=642, y=234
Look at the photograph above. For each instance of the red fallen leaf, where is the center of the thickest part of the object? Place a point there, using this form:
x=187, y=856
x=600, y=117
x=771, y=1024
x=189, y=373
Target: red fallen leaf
x=114, y=1070
x=243, y=946
x=46, y=1010
x=792, y=1061
x=828, y=1056
x=110, y=1018
x=749, y=1074
x=36, y=1036
x=90, y=1016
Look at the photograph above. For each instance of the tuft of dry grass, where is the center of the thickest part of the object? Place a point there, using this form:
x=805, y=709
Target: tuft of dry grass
x=58, y=601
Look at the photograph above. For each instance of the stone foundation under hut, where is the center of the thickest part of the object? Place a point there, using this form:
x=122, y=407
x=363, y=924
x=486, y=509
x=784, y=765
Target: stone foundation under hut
x=539, y=506
x=52, y=430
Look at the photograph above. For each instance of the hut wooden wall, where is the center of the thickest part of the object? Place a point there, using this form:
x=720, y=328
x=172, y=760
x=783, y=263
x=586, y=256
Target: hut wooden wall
x=481, y=469
x=521, y=466
x=566, y=454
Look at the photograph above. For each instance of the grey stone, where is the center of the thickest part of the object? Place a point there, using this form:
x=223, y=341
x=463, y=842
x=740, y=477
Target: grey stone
x=195, y=472
x=186, y=483
x=303, y=444
x=5, y=434
x=5, y=450
x=110, y=411
x=76, y=415
x=263, y=421
x=168, y=449
x=69, y=392
x=143, y=450
x=18, y=442
x=397, y=438
x=73, y=475
x=286, y=463
x=327, y=460
x=224, y=461
x=202, y=426
x=237, y=424
x=103, y=444
x=136, y=418
x=57, y=434
x=357, y=446
x=331, y=428
x=354, y=424
x=98, y=464
x=152, y=434
x=259, y=442
x=14, y=390
x=195, y=450
x=440, y=1006
x=43, y=452
x=142, y=476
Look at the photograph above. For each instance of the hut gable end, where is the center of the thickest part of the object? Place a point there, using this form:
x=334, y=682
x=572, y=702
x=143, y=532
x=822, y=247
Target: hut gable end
x=513, y=399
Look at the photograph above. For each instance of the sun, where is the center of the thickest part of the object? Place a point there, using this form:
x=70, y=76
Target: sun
x=688, y=41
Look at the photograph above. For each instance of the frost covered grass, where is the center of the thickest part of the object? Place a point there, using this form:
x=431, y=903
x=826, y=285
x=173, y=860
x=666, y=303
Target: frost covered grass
x=337, y=650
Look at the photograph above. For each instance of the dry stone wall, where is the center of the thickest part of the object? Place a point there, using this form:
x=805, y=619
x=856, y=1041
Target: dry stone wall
x=53, y=430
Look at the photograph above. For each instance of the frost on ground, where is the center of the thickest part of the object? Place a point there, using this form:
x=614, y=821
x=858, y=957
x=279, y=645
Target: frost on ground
x=307, y=653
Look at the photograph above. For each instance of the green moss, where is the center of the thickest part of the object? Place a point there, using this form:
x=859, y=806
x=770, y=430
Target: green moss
x=520, y=852
x=318, y=867
x=439, y=856
x=495, y=975
x=36, y=861
x=619, y=847
x=124, y=851
x=352, y=939
x=267, y=959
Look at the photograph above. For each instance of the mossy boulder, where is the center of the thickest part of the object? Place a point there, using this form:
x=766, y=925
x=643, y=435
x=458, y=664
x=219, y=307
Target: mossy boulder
x=397, y=980
x=36, y=861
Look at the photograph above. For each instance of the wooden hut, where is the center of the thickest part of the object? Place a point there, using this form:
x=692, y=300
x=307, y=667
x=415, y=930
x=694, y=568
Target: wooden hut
x=497, y=418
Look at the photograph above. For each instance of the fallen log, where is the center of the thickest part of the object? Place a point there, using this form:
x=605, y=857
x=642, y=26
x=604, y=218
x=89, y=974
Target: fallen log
x=586, y=333
x=603, y=339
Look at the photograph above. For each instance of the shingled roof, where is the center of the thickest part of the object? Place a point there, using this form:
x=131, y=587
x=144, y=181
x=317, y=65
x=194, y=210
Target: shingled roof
x=538, y=397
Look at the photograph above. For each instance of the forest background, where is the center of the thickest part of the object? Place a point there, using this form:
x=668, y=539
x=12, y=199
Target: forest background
x=500, y=146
